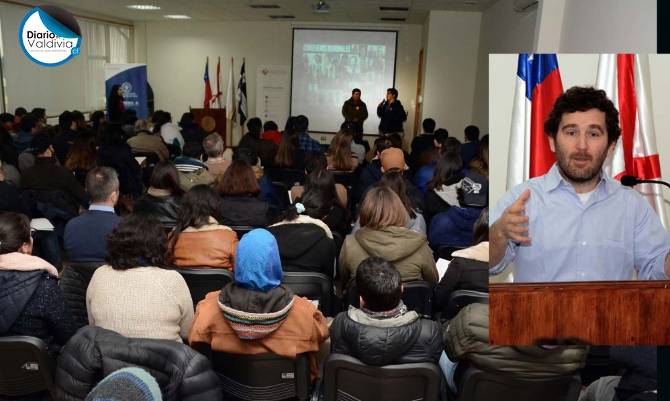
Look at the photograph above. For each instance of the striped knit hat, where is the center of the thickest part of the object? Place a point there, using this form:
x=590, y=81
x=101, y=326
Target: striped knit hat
x=127, y=384
x=254, y=326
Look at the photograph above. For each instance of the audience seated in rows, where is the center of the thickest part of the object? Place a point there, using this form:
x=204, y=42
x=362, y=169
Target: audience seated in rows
x=169, y=132
x=31, y=302
x=146, y=141
x=198, y=240
x=135, y=295
x=266, y=150
x=469, y=267
x=466, y=340
x=314, y=162
x=267, y=192
x=255, y=314
x=340, y=157
x=85, y=238
x=114, y=152
x=305, y=242
x=163, y=198
x=383, y=331
x=307, y=143
x=193, y=135
x=383, y=233
x=216, y=163
x=271, y=132
x=240, y=204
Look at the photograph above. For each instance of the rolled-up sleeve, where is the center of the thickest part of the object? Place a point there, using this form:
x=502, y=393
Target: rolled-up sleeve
x=652, y=243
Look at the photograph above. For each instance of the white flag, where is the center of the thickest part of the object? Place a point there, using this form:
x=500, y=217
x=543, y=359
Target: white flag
x=230, y=96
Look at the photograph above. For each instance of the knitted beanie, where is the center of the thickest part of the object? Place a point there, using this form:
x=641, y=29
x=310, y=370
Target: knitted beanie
x=127, y=384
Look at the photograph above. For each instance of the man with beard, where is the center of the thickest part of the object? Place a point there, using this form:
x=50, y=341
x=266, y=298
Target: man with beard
x=575, y=223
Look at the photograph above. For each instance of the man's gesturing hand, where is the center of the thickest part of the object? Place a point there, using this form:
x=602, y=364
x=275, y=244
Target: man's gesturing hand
x=513, y=222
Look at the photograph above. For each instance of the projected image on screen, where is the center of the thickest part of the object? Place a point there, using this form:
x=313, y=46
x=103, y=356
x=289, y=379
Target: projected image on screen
x=328, y=64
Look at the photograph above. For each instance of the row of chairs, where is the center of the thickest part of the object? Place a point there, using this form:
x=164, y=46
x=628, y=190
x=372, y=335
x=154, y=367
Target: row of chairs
x=27, y=368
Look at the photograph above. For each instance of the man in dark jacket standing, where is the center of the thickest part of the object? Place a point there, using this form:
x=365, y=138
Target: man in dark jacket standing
x=383, y=331
x=391, y=113
x=355, y=111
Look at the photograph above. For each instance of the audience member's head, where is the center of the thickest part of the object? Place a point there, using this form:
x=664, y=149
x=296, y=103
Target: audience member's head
x=7, y=121
x=315, y=203
x=113, y=135
x=246, y=154
x=471, y=133
x=321, y=180
x=166, y=177
x=40, y=114
x=15, y=233
x=81, y=155
x=141, y=125
x=97, y=117
x=186, y=120
x=396, y=140
x=128, y=117
x=480, y=232
x=257, y=265
x=480, y=163
x=287, y=148
x=29, y=123
x=289, y=126
x=379, y=284
x=300, y=124
x=213, y=145
x=158, y=119
x=270, y=126
x=315, y=161
x=198, y=205
x=20, y=112
x=127, y=384
x=79, y=120
x=449, y=167
x=393, y=159
x=393, y=179
x=239, y=180
x=382, y=208
x=255, y=126
x=382, y=143
x=138, y=240
x=428, y=125
x=440, y=138
x=340, y=152
x=42, y=146
x=102, y=185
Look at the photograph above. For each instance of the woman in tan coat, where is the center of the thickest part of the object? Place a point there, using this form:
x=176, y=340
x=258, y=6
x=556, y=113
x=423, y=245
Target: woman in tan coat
x=199, y=240
x=383, y=219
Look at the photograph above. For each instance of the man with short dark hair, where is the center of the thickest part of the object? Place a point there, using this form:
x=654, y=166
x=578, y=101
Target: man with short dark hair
x=27, y=130
x=306, y=142
x=391, y=113
x=471, y=145
x=575, y=223
x=86, y=236
x=383, y=331
x=355, y=111
x=423, y=142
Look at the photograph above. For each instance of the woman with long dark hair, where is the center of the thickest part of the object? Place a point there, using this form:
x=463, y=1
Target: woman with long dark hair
x=115, y=106
x=289, y=154
x=81, y=158
x=442, y=189
x=240, y=191
x=198, y=240
x=163, y=198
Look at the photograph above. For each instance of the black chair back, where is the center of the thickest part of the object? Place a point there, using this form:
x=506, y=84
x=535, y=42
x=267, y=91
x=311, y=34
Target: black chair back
x=286, y=176
x=74, y=283
x=478, y=385
x=26, y=366
x=347, y=378
x=241, y=230
x=201, y=281
x=267, y=377
x=417, y=296
x=459, y=300
x=311, y=285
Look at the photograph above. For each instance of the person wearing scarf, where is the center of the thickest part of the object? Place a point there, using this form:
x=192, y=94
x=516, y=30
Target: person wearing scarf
x=32, y=304
x=255, y=314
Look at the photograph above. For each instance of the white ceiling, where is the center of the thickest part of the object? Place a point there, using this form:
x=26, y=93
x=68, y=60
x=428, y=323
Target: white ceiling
x=342, y=11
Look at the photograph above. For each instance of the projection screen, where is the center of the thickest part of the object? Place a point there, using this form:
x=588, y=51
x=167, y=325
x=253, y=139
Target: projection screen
x=328, y=63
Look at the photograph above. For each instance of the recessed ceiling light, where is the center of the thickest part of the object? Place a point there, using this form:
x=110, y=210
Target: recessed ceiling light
x=177, y=16
x=144, y=7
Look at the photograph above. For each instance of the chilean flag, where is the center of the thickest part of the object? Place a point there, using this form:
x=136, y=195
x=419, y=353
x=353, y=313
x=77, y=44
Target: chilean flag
x=538, y=85
x=208, y=87
x=625, y=79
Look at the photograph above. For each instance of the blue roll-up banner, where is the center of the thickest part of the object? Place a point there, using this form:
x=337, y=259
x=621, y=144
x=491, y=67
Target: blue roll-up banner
x=133, y=81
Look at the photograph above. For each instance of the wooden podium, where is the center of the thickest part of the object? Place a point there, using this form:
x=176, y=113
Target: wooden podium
x=594, y=312
x=218, y=117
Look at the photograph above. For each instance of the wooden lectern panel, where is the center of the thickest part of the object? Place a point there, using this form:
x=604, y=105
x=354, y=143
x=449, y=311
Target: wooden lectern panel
x=218, y=116
x=598, y=313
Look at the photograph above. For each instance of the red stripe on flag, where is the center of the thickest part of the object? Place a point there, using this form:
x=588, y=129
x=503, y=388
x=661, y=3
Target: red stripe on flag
x=544, y=96
x=627, y=107
x=646, y=168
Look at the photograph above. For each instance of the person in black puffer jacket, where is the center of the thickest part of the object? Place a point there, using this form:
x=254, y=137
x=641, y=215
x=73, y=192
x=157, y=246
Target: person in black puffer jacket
x=383, y=331
x=93, y=353
x=305, y=241
x=30, y=300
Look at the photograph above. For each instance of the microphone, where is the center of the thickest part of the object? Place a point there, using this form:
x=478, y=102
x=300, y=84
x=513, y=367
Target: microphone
x=631, y=181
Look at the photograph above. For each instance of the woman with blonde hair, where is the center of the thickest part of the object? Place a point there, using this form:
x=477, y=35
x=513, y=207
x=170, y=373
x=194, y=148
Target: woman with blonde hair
x=383, y=219
x=340, y=157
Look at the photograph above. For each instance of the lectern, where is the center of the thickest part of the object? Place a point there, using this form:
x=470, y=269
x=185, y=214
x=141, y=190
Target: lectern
x=217, y=115
x=594, y=312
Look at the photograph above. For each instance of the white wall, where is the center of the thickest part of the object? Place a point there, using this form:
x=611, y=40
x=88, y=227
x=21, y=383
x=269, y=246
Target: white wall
x=576, y=69
x=176, y=52
x=452, y=44
x=503, y=30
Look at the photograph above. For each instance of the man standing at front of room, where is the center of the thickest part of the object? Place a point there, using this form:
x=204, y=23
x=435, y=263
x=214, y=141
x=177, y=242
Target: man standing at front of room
x=575, y=223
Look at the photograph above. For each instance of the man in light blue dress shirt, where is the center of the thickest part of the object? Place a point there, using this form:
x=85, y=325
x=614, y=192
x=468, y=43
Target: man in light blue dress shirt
x=575, y=223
